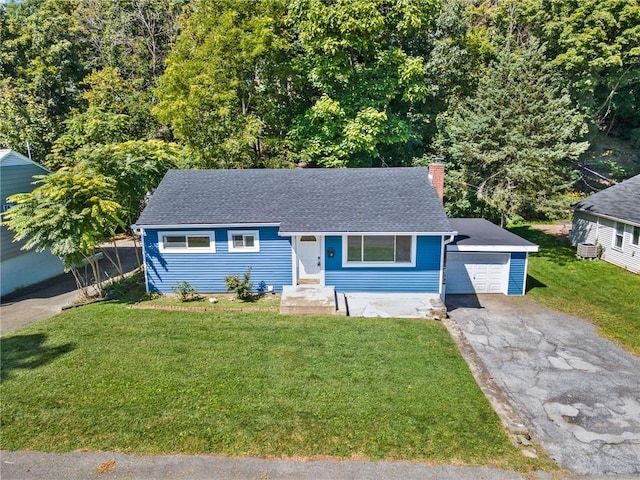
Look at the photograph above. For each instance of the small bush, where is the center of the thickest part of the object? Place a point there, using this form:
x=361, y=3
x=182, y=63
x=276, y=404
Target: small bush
x=149, y=296
x=242, y=286
x=185, y=292
x=127, y=289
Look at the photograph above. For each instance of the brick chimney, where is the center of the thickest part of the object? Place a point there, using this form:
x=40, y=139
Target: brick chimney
x=436, y=175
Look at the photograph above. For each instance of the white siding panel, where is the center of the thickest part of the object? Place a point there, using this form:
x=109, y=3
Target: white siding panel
x=584, y=229
x=27, y=269
x=601, y=231
x=14, y=179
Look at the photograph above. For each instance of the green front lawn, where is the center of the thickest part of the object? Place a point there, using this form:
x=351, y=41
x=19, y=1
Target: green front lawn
x=595, y=290
x=107, y=377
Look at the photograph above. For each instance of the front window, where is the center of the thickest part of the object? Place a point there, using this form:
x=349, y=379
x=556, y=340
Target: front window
x=244, y=241
x=379, y=249
x=619, y=236
x=635, y=236
x=189, y=242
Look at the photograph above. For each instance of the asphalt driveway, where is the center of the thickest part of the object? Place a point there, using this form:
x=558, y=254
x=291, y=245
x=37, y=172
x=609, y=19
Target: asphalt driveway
x=46, y=299
x=579, y=393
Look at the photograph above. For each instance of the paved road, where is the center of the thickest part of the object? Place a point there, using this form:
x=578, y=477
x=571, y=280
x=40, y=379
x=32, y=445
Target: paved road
x=47, y=298
x=113, y=466
x=579, y=392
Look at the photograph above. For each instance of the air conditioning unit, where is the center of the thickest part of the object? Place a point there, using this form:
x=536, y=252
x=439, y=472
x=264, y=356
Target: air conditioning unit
x=587, y=250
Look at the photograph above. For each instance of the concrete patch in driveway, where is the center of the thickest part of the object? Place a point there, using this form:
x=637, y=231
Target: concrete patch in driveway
x=579, y=393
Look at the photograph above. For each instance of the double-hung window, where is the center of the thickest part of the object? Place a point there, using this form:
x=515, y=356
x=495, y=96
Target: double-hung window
x=243, y=241
x=635, y=236
x=383, y=250
x=187, y=242
x=618, y=238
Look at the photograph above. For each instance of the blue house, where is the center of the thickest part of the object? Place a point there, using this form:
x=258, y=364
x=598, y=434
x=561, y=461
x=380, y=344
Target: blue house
x=358, y=230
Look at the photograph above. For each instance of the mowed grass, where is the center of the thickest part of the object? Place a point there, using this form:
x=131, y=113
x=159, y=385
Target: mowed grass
x=106, y=377
x=595, y=290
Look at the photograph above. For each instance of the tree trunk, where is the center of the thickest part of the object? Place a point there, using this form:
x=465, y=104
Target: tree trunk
x=115, y=246
x=111, y=260
x=81, y=286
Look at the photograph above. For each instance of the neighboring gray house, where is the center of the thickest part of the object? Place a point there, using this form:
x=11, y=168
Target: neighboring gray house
x=19, y=268
x=611, y=220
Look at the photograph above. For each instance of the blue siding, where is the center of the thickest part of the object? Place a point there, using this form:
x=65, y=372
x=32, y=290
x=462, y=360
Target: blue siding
x=517, y=273
x=423, y=278
x=206, y=271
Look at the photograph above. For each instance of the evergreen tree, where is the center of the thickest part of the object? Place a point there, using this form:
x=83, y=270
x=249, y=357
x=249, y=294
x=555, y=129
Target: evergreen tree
x=516, y=138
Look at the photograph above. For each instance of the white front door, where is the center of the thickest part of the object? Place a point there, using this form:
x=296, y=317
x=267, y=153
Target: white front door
x=309, y=254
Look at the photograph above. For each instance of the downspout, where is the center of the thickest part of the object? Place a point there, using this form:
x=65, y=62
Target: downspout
x=140, y=232
x=442, y=264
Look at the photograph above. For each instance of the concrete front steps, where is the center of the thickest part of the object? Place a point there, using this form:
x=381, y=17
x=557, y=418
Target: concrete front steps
x=321, y=300
x=311, y=300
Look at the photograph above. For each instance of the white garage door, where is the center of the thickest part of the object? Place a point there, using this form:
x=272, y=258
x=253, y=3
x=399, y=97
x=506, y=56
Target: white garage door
x=477, y=272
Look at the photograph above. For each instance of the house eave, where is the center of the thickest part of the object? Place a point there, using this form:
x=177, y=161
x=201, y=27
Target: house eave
x=608, y=217
x=340, y=233
x=493, y=248
x=202, y=225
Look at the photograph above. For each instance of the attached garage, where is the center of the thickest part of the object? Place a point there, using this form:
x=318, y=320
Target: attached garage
x=471, y=272
x=484, y=258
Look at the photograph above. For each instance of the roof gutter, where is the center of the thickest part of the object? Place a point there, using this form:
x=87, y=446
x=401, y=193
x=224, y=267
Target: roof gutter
x=451, y=238
x=493, y=248
x=608, y=217
x=376, y=233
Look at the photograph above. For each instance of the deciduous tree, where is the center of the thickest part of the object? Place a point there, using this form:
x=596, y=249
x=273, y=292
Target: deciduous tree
x=227, y=84
x=71, y=212
x=365, y=62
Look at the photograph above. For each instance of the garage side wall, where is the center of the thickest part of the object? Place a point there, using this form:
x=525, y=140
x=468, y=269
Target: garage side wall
x=517, y=273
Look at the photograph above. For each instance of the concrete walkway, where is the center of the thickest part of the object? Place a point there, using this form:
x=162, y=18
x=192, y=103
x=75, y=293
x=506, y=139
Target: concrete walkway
x=46, y=299
x=395, y=305
x=579, y=392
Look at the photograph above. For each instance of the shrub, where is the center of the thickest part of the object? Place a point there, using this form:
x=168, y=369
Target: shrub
x=185, y=291
x=242, y=286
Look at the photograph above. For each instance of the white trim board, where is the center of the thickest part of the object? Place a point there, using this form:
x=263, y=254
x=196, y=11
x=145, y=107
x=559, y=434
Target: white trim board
x=492, y=248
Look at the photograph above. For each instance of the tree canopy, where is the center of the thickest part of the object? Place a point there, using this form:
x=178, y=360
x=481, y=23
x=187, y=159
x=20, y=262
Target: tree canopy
x=516, y=139
x=344, y=83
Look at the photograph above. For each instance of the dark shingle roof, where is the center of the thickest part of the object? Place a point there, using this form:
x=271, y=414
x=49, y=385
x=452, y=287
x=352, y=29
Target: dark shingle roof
x=478, y=232
x=302, y=200
x=621, y=201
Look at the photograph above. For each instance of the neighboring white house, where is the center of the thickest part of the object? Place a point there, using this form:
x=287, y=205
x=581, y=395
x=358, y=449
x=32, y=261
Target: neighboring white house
x=610, y=219
x=19, y=268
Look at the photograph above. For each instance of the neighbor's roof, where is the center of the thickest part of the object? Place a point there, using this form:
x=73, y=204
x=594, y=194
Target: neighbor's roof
x=11, y=158
x=388, y=200
x=480, y=235
x=621, y=201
